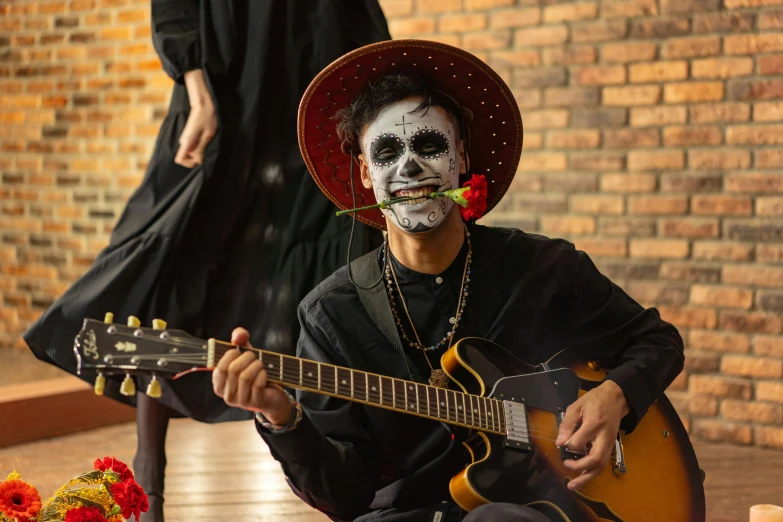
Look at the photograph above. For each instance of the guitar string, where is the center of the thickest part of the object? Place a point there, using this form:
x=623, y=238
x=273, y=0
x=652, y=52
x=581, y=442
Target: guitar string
x=222, y=349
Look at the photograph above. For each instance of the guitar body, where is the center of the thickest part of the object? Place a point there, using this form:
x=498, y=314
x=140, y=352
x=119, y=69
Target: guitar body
x=662, y=480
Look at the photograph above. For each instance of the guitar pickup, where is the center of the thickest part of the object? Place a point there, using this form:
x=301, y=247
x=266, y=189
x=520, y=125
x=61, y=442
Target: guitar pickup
x=517, y=432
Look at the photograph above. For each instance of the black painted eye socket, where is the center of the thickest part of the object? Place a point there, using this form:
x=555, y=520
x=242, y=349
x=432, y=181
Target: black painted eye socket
x=430, y=143
x=386, y=149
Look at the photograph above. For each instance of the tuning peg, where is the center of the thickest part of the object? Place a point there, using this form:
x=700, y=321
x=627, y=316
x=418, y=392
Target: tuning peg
x=108, y=318
x=133, y=321
x=128, y=387
x=153, y=389
x=100, y=384
x=158, y=324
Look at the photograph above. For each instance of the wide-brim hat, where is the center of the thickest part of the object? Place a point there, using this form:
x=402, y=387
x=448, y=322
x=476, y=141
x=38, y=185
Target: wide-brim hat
x=495, y=130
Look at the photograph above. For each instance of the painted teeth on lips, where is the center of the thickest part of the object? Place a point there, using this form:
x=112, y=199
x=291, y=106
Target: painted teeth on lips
x=417, y=193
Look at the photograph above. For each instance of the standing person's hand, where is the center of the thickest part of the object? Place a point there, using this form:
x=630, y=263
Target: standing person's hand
x=202, y=121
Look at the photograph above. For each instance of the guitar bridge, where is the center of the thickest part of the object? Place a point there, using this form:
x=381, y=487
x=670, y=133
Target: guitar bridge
x=517, y=433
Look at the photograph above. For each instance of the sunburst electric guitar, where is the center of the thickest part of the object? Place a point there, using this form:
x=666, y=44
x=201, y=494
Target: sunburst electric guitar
x=511, y=411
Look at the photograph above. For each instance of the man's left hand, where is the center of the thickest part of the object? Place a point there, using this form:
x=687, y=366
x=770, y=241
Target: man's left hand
x=597, y=414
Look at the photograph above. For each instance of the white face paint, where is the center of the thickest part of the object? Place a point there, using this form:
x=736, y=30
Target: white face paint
x=413, y=154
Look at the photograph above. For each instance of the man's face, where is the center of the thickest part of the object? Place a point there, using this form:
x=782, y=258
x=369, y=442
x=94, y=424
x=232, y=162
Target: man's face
x=412, y=154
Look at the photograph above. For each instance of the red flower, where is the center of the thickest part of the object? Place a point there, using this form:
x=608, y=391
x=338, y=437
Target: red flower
x=117, y=466
x=85, y=514
x=19, y=500
x=131, y=498
x=476, y=196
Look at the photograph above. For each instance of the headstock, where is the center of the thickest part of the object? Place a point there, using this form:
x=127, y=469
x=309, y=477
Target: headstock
x=111, y=348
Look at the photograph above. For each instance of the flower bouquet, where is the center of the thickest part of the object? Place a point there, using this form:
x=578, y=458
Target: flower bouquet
x=471, y=197
x=108, y=493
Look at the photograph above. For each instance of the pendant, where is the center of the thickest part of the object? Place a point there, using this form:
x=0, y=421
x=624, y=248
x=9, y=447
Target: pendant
x=439, y=379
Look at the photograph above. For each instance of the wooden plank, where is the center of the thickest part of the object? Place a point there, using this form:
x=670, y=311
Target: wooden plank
x=55, y=407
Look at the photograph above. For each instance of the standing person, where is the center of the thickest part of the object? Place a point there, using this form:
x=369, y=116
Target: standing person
x=227, y=227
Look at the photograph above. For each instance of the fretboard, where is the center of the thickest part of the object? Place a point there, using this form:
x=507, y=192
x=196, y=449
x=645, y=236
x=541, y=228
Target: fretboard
x=452, y=407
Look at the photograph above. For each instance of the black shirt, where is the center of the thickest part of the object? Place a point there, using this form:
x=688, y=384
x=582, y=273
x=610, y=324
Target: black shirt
x=533, y=295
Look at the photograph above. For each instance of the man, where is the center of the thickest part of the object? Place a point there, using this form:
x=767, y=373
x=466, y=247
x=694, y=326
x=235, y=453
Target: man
x=418, y=116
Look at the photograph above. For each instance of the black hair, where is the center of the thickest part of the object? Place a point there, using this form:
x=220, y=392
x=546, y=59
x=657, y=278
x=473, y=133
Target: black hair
x=386, y=90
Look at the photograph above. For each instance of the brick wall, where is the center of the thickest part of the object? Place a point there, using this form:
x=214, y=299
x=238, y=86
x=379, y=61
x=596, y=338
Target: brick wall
x=651, y=134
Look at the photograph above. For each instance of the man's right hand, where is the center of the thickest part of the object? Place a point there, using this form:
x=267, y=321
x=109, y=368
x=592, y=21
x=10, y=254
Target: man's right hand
x=240, y=379
x=202, y=121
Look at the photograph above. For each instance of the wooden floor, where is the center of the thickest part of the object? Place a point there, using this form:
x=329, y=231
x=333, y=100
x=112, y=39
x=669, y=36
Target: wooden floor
x=225, y=473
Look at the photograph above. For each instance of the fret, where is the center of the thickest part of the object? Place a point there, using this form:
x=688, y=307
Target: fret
x=308, y=371
x=319, y=376
x=465, y=409
x=427, y=391
x=418, y=404
x=443, y=412
x=359, y=386
x=491, y=414
x=386, y=391
x=432, y=394
x=351, y=379
x=367, y=386
x=374, y=389
x=280, y=362
x=496, y=406
x=300, y=371
x=476, y=404
x=460, y=409
x=343, y=376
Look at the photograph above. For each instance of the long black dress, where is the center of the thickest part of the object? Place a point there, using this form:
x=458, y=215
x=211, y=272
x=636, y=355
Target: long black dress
x=240, y=240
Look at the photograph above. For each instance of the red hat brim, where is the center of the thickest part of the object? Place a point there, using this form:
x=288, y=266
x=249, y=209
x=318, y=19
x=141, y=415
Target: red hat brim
x=495, y=132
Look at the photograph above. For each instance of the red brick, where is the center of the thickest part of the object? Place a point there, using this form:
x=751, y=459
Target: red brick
x=701, y=362
x=693, y=92
x=718, y=159
x=771, y=346
x=721, y=67
x=596, y=204
x=517, y=17
x=603, y=31
x=628, y=8
x=690, y=47
x=597, y=161
x=771, y=19
x=658, y=72
x=540, y=36
x=568, y=55
x=656, y=160
x=689, y=228
x=753, y=275
x=753, y=43
x=767, y=111
x=754, y=229
x=411, y=26
x=602, y=247
x=573, y=139
x=568, y=225
x=770, y=300
x=766, y=253
x=627, y=182
x=755, y=134
x=745, y=366
x=742, y=89
x=624, y=226
x=721, y=431
x=570, y=12
x=631, y=138
x=659, y=248
x=769, y=206
x=569, y=182
x=599, y=75
x=769, y=391
x=719, y=204
x=396, y=8
x=486, y=4
x=632, y=95
x=653, y=293
x=719, y=112
x=674, y=136
x=768, y=437
x=718, y=386
x=722, y=296
x=527, y=98
x=542, y=161
x=659, y=27
x=546, y=119
x=703, y=406
x=690, y=182
x=754, y=182
x=437, y=6
x=570, y=96
x=756, y=322
x=541, y=203
x=627, y=52
x=735, y=4
x=689, y=6
x=658, y=115
x=718, y=341
x=486, y=40
x=516, y=59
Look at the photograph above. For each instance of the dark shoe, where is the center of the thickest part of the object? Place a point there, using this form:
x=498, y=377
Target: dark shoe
x=150, y=475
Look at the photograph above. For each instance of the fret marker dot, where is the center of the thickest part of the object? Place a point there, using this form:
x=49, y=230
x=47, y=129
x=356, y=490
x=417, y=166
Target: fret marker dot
x=271, y=365
x=373, y=388
x=459, y=408
x=344, y=381
x=411, y=406
x=475, y=410
x=309, y=374
x=442, y=404
x=410, y=387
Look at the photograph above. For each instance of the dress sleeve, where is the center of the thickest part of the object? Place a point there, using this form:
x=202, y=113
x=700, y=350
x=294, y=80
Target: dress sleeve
x=606, y=324
x=329, y=458
x=176, y=36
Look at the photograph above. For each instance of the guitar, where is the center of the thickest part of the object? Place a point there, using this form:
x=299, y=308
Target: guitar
x=512, y=411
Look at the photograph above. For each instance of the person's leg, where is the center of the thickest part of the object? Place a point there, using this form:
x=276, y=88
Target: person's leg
x=149, y=464
x=502, y=512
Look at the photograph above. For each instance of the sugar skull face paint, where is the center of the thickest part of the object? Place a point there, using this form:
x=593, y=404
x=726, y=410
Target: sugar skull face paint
x=413, y=153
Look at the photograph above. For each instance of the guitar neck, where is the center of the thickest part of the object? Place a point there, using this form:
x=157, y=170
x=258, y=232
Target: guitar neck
x=449, y=406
